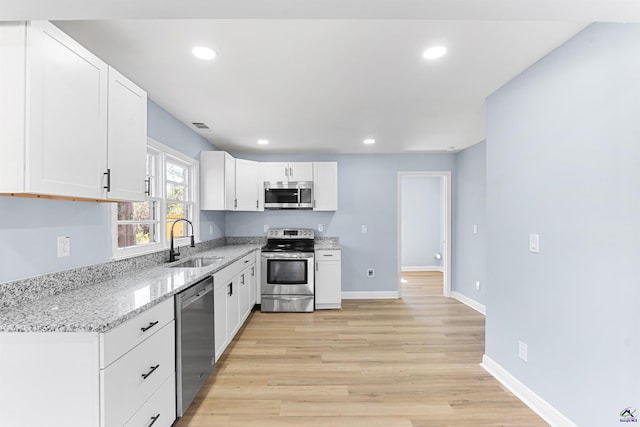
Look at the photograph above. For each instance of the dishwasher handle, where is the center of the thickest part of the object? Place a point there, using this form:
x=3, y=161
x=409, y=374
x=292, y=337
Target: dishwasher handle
x=187, y=302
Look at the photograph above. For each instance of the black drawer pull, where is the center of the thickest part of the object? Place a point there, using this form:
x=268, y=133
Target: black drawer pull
x=153, y=368
x=151, y=325
x=153, y=420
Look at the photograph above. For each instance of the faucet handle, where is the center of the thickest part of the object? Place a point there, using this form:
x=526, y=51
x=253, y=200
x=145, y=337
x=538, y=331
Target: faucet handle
x=176, y=252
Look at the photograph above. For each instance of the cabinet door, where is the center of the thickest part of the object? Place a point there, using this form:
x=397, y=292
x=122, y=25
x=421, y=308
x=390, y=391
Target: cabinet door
x=328, y=279
x=253, y=286
x=301, y=171
x=275, y=171
x=220, y=318
x=127, y=138
x=230, y=201
x=325, y=186
x=233, y=309
x=68, y=114
x=247, y=185
x=244, y=283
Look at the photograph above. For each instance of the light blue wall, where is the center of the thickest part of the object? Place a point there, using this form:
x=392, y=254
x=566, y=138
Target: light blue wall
x=469, y=248
x=29, y=227
x=29, y=230
x=367, y=195
x=421, y=231
x=563, y=161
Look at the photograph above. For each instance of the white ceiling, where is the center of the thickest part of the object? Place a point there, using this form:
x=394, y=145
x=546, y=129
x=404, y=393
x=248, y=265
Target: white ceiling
x=322, y=76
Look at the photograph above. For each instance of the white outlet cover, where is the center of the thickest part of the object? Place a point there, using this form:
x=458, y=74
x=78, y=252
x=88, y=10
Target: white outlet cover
x=64, y=246
x=522, y=351
x=475, y=228
x=364, y=229
x=266, y=228
x=320, y=227
x=534, y=243
x=477, y=285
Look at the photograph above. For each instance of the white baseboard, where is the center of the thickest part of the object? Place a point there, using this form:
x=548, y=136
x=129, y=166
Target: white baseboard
x=423, y=268
x=468, y=301
x=537, y=404
x=371, y=295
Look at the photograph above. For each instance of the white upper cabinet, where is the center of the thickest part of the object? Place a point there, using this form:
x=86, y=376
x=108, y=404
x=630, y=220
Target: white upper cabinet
x=64, y=114
x=229, y=184
x=284, y=172
x=325, y=186
x=54, y=116
x=217, y=181
x=247, y=185
x=127, y=138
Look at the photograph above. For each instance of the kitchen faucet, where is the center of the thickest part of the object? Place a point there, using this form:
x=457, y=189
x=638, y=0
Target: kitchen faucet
x=176, y=253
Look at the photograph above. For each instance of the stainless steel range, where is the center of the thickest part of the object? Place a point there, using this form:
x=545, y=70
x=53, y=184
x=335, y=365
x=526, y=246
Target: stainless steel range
x=287, y=271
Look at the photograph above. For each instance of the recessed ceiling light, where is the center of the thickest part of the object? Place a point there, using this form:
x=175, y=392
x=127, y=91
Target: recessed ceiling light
x=434, y=52
x=203, y=52
x=369, y=141
x=263, y=141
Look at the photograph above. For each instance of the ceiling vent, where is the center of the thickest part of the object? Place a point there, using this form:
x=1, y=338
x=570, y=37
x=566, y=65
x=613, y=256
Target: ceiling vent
x=201, y=126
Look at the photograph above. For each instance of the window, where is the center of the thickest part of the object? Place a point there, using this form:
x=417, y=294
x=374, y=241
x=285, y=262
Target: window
x=141, y=227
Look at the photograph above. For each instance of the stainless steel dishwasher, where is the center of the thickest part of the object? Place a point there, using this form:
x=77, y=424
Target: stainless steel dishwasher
x=195, y=349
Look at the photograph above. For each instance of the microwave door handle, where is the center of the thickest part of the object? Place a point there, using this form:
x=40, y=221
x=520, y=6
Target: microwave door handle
x=299, y=200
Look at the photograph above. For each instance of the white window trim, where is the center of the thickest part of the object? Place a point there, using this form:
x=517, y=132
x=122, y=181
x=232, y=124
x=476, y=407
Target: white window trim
x=163, y=244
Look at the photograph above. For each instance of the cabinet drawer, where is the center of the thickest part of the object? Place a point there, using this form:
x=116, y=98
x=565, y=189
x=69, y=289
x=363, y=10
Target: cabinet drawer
x=117, y=341
x=328, y=255
x=123, y=384
x=161, y=407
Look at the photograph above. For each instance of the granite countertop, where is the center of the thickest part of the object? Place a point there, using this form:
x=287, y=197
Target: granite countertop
x=102, y=306
x=327, y=244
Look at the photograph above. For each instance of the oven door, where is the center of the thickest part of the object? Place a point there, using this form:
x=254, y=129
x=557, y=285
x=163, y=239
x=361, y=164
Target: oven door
x=287, y=273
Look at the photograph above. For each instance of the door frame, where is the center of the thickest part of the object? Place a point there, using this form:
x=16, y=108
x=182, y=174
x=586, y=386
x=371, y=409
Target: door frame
x=446, y=216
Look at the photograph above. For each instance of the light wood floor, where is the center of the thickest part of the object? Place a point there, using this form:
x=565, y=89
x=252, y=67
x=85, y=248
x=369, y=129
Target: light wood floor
x=409, y=362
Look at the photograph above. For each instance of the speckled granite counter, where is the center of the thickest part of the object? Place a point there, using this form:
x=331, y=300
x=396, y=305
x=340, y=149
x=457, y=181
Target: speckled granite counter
x=100, y=307
x=327, y=243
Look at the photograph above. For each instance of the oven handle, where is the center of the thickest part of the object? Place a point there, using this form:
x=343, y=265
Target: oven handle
x=288, y=255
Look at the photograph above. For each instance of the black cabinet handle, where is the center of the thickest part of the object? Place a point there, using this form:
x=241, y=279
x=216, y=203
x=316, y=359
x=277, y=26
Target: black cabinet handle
x=148, y=184
x=151, y=325
x=108, y=186
x=153, y=368
x=230, y=285
x=153, y=420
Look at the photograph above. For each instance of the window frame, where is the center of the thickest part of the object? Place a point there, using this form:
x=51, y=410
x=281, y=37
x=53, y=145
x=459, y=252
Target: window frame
x=161, y=152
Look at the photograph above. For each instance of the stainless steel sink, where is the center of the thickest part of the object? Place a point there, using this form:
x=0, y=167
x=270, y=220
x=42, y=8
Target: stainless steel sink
x=197, y=262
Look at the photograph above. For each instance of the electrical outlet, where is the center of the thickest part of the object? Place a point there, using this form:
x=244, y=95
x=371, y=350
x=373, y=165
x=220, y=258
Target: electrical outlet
x=534, y=243
x=320, y=227
x=266, y=228
x=210, y=230
x=364, y=229
x=475, y=228
x=522, y=350
x=477, y=285
x=371, y=272
x=64, y=246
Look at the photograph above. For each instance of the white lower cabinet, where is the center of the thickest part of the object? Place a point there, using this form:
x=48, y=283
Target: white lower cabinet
x=74, y=387
x=234, y=297
x=159, y=410
x=328, y=279
x=131, y=380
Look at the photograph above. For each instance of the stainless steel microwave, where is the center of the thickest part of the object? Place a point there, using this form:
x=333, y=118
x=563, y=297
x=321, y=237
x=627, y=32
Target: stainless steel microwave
x=288, y=195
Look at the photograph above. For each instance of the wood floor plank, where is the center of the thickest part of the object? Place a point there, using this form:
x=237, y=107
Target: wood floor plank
x=409, y=362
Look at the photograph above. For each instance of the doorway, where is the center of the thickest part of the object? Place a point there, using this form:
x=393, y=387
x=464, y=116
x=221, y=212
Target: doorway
x=426, y=228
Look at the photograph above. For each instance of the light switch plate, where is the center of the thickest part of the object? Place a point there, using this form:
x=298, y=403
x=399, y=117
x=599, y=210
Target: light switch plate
x=364, y=229
x=320, y=227
x=522, y=350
